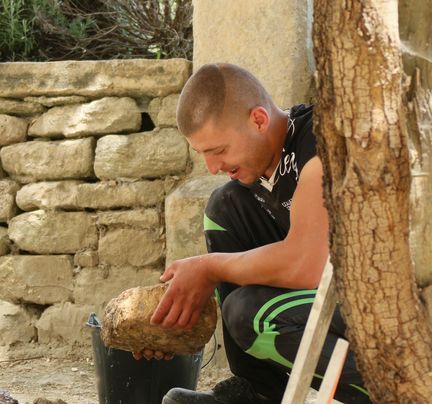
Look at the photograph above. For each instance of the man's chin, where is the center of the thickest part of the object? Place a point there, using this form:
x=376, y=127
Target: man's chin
x=247, y=181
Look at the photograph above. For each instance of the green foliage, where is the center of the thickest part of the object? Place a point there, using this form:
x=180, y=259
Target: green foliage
x=94, y=29
x=16, y=30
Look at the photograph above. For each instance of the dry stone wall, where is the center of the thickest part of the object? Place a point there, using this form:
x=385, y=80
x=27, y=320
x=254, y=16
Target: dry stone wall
x=89, y=155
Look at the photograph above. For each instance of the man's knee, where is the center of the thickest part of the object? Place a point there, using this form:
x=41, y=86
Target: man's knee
x=238, y=315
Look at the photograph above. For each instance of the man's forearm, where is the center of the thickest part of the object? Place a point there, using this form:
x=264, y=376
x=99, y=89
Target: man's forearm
x=273, y=265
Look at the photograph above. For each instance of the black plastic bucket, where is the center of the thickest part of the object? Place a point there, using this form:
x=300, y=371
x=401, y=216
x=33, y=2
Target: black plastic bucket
x=123, y=380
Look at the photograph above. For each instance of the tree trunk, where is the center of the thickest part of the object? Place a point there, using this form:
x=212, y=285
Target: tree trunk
x=360, y=126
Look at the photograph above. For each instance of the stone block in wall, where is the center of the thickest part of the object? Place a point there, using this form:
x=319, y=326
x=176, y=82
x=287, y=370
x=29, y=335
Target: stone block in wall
x=18, y=107
x=56, y=101
x=8, y=190
x=198, y=164
x=86, y=258
x=80, y=195
x=99, y=117
x=12, y=130
x=43, y=232
x=95, y=79
x=4, y=241
x=270, y=39
x=141, y=155
x=64, y=324
x=97, y=286
x=38, y=161
x=16, y=324
x=36, y=278
x=138, y=218
x=2, y=173
x=184, y=212
x=129, y=246
x=162, y=111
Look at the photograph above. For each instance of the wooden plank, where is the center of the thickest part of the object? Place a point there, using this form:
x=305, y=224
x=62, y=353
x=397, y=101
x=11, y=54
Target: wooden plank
x=332, y=375
x=313, y=339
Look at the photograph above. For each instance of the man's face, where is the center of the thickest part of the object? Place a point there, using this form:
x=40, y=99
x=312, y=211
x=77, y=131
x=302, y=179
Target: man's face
x=241, y=152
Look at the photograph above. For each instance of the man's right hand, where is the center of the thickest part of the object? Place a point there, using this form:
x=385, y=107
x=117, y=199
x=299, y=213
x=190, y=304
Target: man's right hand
x=150, y=354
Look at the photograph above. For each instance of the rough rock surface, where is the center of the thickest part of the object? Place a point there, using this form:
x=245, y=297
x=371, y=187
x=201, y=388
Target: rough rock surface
x=45, y=160
x=56, y=101
x=162, y=111
x=126, y=324
x=184, y=211
x=64, y=323
x=97, y=286
x=44, y=232
x=8, y=190
x=135, y=78
x=16, y=325
x=80, y=195
x=107, y=115
x=17, y=107
x=141, y=155
x=12, y=130
x=4, y=241
x=40, y=279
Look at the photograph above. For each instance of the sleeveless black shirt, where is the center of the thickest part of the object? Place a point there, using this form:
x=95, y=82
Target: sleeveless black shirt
x=299, y=148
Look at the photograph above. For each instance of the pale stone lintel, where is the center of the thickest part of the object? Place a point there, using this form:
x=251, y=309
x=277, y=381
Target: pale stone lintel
x=136, y=78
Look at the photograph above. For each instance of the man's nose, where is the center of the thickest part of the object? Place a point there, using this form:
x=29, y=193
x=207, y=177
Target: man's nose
x=213, y=164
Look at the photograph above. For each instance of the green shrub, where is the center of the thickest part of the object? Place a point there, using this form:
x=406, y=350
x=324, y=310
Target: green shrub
x=95, y=29
x=16, y=30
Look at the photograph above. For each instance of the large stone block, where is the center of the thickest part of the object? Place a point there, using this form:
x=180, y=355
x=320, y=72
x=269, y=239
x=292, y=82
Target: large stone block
x=97, y=286
x=141, y=155
x=38, y=161
x=270, y=39
x=107, y=115
x=16, y=324
x=12, y=130
x=56, y=101
x=4, y=241
x=81, y=195
x=42, y=232
x=130, y=246
x=184, y=212
x=162, y=111
x=8, y=190
x=18, y=107
x=138, y=218
x=64, y=324
x=36, y=279
x=95, y=79
x=414, y=26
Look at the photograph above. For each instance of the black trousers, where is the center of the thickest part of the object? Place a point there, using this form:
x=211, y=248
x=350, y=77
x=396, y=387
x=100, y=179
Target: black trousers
x=263, y=325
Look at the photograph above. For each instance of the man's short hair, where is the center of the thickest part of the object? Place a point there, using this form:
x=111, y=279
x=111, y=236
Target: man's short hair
x=223, y=92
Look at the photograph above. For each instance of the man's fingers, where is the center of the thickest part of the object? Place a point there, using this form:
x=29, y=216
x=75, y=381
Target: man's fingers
x=137, y=355
x=162, y=310
x=193, y=319
x=172, y=317
x=168, y=356
x=167, y=275
x=148, y=354
x=158, y=355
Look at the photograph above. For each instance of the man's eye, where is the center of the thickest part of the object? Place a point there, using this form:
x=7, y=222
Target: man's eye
x=220, y=151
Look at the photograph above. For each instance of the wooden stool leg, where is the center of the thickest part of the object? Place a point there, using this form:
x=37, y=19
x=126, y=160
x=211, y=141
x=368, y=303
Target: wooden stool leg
x=313, y=340
x=332, y=375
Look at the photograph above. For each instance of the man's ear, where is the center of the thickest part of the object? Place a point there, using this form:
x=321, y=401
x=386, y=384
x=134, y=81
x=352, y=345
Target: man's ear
x=260, y=118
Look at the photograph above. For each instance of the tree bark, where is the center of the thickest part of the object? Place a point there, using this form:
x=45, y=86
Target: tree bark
x=362, y=139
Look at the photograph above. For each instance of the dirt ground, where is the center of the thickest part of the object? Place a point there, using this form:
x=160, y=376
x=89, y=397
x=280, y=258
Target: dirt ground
x=71, y=380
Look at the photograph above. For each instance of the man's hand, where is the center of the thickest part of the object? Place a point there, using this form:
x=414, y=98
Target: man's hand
x=150, y=354
x=191, y=285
